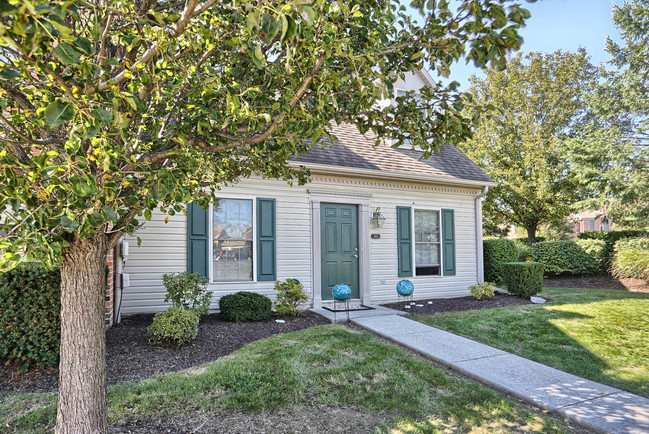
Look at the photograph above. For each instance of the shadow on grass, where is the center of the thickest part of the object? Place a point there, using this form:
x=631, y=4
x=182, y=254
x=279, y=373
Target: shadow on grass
x=596, y=334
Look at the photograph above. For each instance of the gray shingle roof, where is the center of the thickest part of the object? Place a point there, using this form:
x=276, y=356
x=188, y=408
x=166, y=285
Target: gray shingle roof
x=355, y=150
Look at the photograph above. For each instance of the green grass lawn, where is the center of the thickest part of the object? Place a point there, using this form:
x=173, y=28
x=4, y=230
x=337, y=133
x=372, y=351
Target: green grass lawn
x=328, y=368
x=598, y=334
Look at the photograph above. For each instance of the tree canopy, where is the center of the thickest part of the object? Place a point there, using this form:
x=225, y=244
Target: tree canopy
x=111, y=109
x=611, y=155
x=539, y=101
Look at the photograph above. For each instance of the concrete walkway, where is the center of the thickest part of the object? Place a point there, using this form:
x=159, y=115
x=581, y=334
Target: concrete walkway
x=594, y=405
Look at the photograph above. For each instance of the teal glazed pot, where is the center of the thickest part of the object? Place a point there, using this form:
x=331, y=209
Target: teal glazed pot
x=405, y=288
x=342, y=292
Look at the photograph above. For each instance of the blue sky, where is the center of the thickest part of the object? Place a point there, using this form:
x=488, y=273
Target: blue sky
x=561, y=24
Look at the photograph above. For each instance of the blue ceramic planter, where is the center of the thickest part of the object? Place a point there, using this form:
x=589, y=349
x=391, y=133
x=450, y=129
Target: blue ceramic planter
x=405, y=288
x=342, y=292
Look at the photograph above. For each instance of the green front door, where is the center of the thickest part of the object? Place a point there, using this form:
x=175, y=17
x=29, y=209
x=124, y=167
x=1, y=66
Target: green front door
x=339, y=235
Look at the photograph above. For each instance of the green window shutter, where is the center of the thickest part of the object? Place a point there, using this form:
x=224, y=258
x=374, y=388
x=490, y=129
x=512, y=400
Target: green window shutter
x=448, y=241
x=197, y=240
x=266, y=245
x=404, y=240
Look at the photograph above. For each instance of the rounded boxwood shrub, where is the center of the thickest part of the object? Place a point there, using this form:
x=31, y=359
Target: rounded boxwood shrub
x=565, y=256
x=245, y=306
x=497, y=251
x=30, y=314
x=523, y=279
x=175, y=325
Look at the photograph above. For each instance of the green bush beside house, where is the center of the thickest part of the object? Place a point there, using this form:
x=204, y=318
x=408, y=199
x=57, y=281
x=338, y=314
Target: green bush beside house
x=30, y=314
x=524, y=279
x=497, y=251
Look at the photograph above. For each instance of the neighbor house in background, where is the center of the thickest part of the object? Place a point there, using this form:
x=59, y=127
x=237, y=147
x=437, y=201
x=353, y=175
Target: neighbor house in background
x=590, y=221
x=370, y=217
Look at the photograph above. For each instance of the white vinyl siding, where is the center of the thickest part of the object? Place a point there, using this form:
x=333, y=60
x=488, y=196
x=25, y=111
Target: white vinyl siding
x=164, y=246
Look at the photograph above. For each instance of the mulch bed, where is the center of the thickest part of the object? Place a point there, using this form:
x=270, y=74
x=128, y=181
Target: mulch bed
x=440, y=305
x=132, y=358
x=597, y=282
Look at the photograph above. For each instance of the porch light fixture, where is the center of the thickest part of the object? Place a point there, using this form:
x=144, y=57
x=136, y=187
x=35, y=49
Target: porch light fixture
x=377, y=218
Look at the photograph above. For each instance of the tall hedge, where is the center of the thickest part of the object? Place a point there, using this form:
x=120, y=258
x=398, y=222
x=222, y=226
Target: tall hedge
x=559, y=257
x=631, y=259
x=596, y=249
x=30, y=306
x=497, y=251
x=610, y=238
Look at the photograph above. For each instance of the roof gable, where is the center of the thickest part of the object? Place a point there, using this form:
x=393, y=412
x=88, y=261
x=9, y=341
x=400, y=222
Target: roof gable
x=357, y=151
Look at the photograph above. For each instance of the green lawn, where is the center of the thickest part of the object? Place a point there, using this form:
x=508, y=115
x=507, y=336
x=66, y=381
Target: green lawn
x=338, y=372
x=599, y=334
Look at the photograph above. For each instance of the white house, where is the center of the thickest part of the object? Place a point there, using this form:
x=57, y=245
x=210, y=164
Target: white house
x=325, y=233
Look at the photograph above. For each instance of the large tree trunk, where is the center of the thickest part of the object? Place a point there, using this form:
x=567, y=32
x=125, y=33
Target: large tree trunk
x=82, y=369
x=531, y=234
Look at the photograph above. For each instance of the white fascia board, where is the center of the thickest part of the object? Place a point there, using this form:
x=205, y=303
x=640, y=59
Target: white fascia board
x=381, y=174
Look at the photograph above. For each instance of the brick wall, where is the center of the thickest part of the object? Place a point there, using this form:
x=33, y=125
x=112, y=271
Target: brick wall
x=110, y=289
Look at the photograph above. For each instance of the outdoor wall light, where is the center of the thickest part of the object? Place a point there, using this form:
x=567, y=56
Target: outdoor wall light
x=377, y=218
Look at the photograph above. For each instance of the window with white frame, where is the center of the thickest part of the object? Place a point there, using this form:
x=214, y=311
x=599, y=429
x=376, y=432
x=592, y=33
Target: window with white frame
x=232, y=228
x=427, y=243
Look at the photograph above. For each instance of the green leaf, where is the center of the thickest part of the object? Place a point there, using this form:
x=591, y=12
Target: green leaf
x=308, y=14
x=104, y=116
x=109, y=213
x=9, y=74
x=417, y=55
x=84, y=45
x=68, y=223
x=66, y=53
x=58, y=113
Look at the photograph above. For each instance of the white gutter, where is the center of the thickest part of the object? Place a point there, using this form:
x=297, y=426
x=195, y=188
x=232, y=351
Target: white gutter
x=478, y=236
x=382, y=174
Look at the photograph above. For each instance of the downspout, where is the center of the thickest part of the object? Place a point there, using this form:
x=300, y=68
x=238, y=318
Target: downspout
x=119, y=269
x=478, y=236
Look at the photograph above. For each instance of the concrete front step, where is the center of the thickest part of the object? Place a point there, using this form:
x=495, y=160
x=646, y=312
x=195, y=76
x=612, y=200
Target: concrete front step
x=594, y=405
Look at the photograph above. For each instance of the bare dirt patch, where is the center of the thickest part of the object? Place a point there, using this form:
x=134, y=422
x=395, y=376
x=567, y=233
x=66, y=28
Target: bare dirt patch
x=132, y=358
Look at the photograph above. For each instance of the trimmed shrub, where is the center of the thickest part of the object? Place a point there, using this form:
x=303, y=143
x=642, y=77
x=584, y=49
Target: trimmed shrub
x=245, y=306
x=523, y=279
x=290, y=295
x=497, y=251
x=566, y=256
x=596, y=249
x=631, y=259
x=175, y=325
x=610, y=238
x=30, y=314
x=187, y=291
x=486, y=289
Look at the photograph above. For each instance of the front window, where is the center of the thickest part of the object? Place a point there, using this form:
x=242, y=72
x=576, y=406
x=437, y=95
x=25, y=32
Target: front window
x=427, y=243
x=591, y=225
x=232, y=229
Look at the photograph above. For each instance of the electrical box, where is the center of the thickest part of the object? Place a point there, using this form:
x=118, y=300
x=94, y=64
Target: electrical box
x=124, y=250
x=126, y=280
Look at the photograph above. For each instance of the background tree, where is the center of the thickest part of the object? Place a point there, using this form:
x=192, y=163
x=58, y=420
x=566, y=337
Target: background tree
x=110, y=109
x=611, y=155
x=539, y=101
